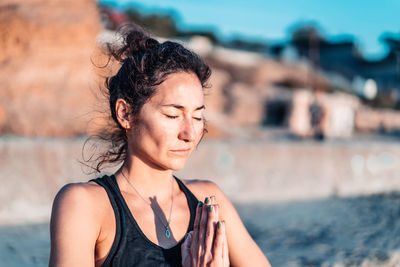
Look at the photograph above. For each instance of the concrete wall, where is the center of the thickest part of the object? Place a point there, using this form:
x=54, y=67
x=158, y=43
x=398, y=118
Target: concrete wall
x=248, y=170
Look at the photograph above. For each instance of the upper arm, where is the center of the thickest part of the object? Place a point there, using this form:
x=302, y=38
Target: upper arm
x=243, y=251
x=73, y=227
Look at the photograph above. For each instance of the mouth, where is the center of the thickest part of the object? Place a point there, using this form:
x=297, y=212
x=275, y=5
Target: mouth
x=181, y=152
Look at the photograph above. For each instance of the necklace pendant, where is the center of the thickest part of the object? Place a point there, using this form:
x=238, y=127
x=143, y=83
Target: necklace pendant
x=167, y=232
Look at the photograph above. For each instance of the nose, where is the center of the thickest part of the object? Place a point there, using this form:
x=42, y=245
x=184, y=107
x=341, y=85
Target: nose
x=187, y=132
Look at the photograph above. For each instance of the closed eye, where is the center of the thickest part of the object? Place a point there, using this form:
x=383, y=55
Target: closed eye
x=198, y=119
x=171, y=117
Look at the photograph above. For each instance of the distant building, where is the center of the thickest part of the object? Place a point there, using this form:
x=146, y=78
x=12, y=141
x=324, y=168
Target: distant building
x=345, y=58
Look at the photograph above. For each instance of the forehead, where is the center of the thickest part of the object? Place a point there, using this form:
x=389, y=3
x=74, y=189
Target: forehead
x=180, y=88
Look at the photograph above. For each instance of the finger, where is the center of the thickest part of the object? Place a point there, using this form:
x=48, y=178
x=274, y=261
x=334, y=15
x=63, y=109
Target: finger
x=185, y=249
x=188, y=240
x=203, y=228
x=196, y=229
x=225, y=253
x=216, y=218
x=213, y=200
x=217, y=249
x=210, y=231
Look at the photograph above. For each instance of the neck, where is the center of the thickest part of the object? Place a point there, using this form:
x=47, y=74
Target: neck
x=149, y=181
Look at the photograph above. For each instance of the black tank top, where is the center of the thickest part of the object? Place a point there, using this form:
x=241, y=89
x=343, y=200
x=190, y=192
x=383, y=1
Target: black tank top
x=131, y=247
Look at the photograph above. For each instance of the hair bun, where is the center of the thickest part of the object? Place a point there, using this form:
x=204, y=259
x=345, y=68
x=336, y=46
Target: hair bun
x=135, y=40
x=138, y=41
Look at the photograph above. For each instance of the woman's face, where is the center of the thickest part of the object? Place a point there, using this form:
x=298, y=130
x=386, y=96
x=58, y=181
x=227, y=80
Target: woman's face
x=170, y=124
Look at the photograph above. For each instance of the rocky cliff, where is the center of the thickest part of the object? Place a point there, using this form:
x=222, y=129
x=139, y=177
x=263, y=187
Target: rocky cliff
x=45, y=68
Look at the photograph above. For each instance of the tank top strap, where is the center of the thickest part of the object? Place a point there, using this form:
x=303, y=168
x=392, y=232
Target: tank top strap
x=188, y=193
x=191, y=200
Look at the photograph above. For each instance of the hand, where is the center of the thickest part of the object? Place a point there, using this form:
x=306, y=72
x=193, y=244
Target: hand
x=206, y=245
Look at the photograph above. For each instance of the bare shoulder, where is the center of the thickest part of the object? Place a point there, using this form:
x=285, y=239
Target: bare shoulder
x=203, y=188
x=200, y=185
x=85, y=191
x=82, y=204
x=76, y=218
x=81, y=194
x=206, y=188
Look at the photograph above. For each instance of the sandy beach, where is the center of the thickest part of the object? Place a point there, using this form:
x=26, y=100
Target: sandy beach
x=337, y=232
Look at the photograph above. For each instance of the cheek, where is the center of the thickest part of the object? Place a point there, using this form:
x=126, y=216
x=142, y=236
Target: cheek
x=148, y=135
x=162, y=132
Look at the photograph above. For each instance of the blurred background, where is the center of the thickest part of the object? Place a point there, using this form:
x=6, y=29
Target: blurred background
x=303, y=117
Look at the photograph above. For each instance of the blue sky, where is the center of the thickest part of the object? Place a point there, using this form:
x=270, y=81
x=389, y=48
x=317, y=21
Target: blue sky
x=366, y=20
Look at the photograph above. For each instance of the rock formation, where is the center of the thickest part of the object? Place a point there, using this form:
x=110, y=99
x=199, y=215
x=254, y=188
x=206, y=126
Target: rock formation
x=45, y=68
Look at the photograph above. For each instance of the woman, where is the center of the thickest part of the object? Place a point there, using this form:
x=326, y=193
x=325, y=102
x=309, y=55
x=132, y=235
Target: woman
x=143, y=215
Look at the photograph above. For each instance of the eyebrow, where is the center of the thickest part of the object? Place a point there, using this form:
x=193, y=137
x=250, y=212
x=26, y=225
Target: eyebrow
x=182, y=107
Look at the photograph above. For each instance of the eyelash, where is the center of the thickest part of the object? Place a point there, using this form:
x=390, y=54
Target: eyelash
x=174, y=117
x=171, y=117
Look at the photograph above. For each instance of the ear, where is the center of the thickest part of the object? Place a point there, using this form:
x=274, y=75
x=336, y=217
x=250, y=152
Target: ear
x=123, y=110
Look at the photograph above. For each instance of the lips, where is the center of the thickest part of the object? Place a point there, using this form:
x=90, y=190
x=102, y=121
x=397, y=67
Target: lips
x=181, y=152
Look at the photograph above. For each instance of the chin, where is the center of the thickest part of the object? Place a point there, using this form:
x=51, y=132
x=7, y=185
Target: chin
x=176, y=165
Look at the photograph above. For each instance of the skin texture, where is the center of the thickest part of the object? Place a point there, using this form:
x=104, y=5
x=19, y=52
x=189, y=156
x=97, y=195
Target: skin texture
x=206, y=244
x=160, y=140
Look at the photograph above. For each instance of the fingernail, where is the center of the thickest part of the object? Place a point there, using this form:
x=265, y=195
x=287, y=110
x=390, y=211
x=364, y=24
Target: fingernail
x=210, y=208
x=207, y=200
x=219, y=224
x=200, y=204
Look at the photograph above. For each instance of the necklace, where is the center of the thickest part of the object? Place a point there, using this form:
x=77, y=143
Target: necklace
x=166, y=226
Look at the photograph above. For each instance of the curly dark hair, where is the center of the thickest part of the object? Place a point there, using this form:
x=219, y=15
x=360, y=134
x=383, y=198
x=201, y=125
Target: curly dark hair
x=145, y=64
